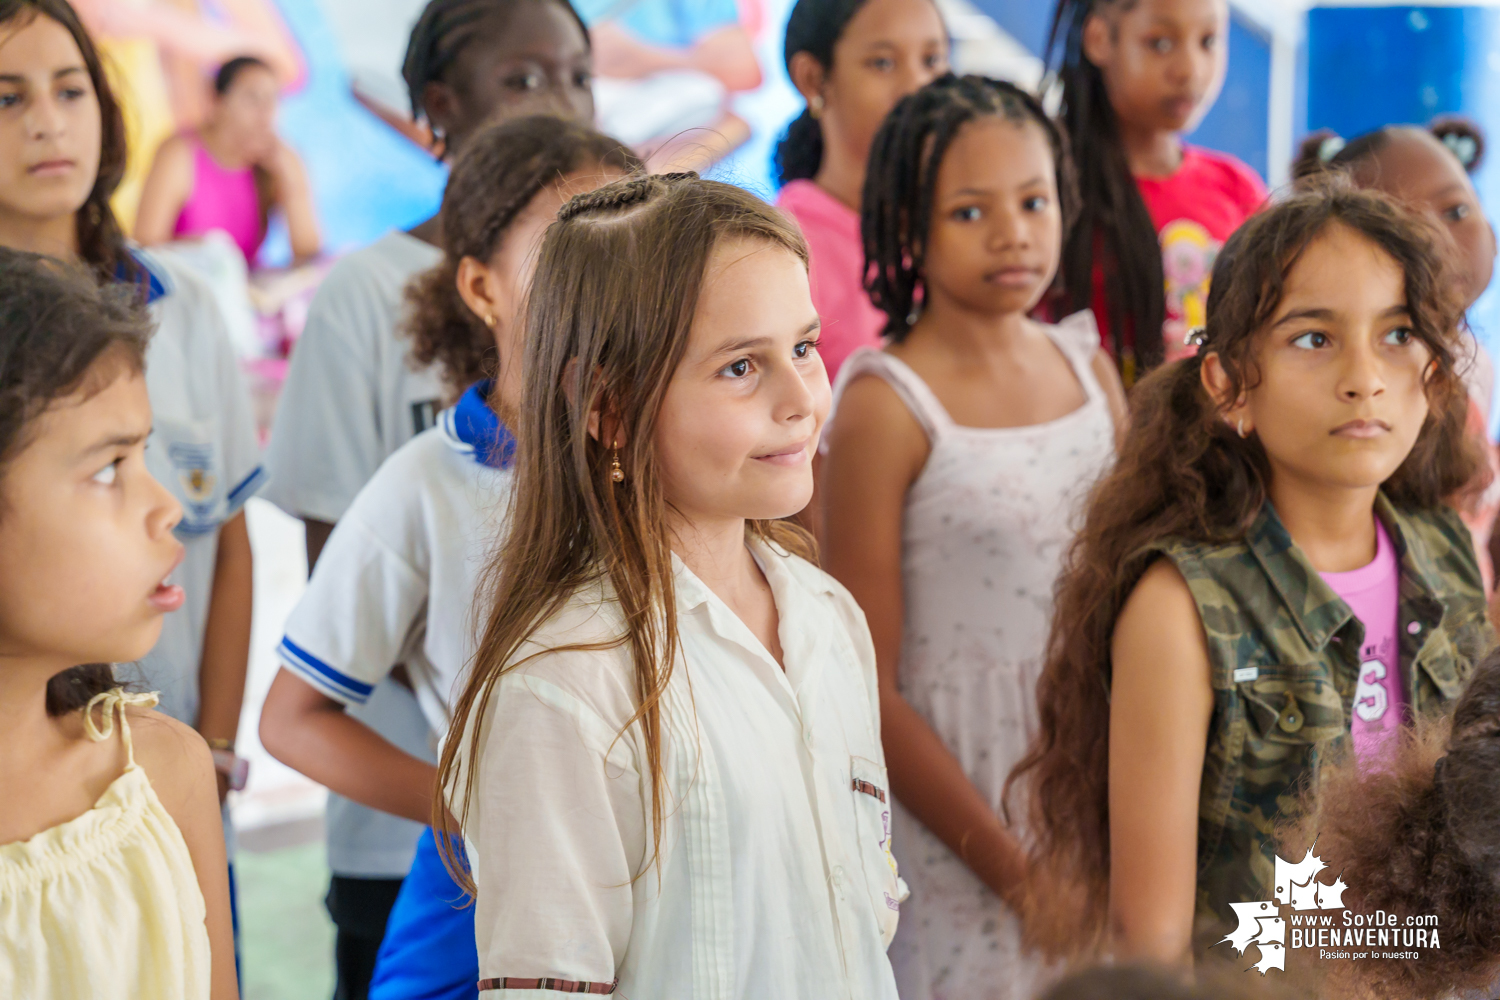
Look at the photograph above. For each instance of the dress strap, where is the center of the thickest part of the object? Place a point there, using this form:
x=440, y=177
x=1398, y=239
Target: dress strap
x=1077, y=336
x=908, y=385
x=112, y=702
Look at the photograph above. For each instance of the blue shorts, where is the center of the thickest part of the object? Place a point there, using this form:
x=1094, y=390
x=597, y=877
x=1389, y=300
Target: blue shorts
x=428, y=952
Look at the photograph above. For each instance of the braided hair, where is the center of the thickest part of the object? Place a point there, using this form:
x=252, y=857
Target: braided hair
x=441, y=34
x=500, y=170
x=814, y=27
x=1112, y=218
x=101, y=241
x=901, y=181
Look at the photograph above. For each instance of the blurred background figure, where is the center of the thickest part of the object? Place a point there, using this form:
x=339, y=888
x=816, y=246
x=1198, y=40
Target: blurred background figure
x=231, y=173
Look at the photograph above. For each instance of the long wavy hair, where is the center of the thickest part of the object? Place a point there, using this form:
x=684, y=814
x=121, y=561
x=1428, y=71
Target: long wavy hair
x=606, y=324
x=101, y=241
x=1183, y=473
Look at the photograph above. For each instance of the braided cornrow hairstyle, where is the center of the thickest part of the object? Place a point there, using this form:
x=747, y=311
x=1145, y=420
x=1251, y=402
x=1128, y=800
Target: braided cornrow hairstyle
x=500, y=170
x=442, y=32
x=1112, y=215
x=101, y=241
x=902, y=179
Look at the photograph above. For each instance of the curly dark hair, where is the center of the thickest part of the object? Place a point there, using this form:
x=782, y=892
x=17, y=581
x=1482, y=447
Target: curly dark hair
x=1420, y=835
x=901, y=181
x=499, y=172
x=56, y=324
x=101, y=241
x=1184, y=474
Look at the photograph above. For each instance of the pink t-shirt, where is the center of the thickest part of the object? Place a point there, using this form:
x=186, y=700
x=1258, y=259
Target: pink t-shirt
x=1379, y=700
x=831, y=228
x=222, y=199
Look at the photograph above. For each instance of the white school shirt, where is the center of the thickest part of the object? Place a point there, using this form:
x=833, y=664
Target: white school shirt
x=351, y=396
x=351, y=399
x=395, y=583
x=204, y=449
x=776, y=880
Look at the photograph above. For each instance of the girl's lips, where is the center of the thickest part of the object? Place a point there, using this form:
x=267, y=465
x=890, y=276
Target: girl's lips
x=51, y=168
x=1014, y=277
x=168, y=596
x=1362, y=429
x=790, y=457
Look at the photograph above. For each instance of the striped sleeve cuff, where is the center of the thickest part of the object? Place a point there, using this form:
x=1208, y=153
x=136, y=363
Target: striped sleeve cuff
x=340, y=687
x=248, y=487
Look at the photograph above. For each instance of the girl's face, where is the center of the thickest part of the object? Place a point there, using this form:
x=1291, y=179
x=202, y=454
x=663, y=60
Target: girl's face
x=530, y=60
x=740, y=421
x=996, y=225
x=248, y=109
x=1163, y=61
x=1342, y=392
x=889, y=48
x=86, y=537
x=1416, y=168
x=50, y=126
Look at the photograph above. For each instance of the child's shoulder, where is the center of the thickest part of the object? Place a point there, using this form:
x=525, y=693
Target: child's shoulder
x=174, y=756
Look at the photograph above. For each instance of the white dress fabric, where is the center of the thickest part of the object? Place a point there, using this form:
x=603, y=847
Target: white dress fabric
x=775, y=880
x=986, y=526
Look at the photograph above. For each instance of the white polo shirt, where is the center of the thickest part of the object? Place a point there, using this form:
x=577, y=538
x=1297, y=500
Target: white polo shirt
x=204, y=449
x=351, y=396
x=776, y=880
x=395, y=583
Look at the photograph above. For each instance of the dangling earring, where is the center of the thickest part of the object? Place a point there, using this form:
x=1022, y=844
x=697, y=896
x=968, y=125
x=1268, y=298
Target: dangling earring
x=616, y=474
x=1240, y=426
x=815, y=106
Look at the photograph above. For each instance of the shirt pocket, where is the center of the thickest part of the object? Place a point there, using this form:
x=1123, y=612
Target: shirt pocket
x=1292, y=714
x=187, y=457
x=870, y=787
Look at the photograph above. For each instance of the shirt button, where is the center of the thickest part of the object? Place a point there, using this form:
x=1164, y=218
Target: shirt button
x=1413, y=628
x=807, y=737
x=838, y=878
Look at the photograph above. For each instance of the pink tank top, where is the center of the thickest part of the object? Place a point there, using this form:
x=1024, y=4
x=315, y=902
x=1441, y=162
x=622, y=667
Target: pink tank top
x=222, y=199
x=1379, y=699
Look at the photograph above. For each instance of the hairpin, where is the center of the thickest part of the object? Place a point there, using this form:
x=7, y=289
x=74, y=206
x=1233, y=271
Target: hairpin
x=1330, y=147
x=1196, y=337
x=1462, y=146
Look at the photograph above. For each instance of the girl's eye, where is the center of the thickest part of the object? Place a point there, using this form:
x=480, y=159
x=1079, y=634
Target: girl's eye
x=934, y=61
x=882, y=64
x=1036, y=203
x=804, y=349
x=525, y=81
x=1311, y=341
x=9, y=100
x=969, y=213
x=106, y=475
x=583, y=78
x=1399, y=337
x=1210, y=42
x=1161, y=46
x=1457, y=213
x=72, y=93
x=736, y=369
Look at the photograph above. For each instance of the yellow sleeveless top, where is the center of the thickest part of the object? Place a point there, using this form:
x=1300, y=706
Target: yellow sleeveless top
x=107, y=905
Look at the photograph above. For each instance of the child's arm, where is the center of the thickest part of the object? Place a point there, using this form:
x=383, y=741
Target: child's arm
x=226, y=636
x=181, y=770
x=168, y=186
x=1114, y=393
x=295, y=195
x=1161, y=701
x=312, y=733
x=876, y=451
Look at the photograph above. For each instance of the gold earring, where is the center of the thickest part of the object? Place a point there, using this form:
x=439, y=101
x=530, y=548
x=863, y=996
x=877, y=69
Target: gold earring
x=616, y=474
x=815, y=106
x=490, y=320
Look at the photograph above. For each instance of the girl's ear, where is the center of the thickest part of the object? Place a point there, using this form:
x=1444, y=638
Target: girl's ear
x=807, y=76
x=483, y=292
x=1098, y=40
x=1217, y=384
x=600, y=421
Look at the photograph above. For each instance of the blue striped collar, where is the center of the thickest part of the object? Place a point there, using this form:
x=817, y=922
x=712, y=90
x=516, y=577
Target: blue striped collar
x=155, y=287
x=475, y=430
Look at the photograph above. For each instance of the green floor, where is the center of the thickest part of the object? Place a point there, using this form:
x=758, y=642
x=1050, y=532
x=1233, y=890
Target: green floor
x=286, y=938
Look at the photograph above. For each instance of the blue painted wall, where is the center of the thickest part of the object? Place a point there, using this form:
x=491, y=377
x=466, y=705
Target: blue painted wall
x=1373, y=66
x=1238, y=124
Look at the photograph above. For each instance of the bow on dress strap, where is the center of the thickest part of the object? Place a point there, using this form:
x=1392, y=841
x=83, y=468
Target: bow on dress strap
x=113, y=701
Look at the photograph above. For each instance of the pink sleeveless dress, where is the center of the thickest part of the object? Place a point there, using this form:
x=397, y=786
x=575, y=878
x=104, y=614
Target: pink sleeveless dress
x=983, y=535
x=222, y=199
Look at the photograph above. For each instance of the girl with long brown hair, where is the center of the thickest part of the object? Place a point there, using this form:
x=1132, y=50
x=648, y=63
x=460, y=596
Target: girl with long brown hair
x=1206, y=652
x=666, y=763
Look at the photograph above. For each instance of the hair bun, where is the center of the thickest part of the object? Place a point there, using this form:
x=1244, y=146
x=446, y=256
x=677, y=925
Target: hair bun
x=622, y=194
x=1463, y=137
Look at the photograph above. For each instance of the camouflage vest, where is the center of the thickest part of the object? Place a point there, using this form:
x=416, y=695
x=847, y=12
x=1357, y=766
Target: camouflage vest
x=1284, y=651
